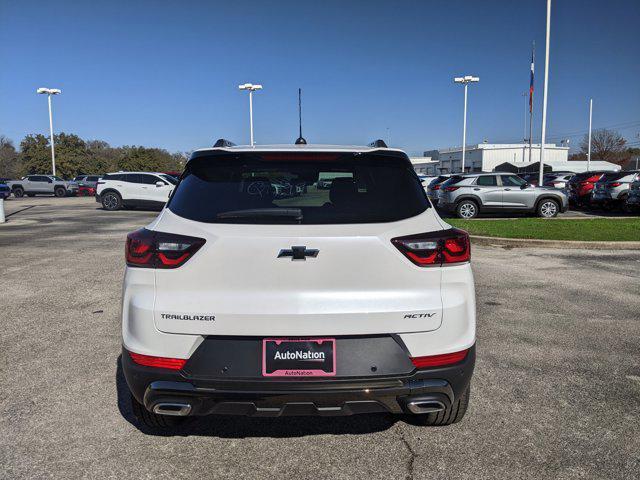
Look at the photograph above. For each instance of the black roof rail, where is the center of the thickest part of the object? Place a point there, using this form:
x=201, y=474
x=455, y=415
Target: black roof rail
x=222, y=143
x=378, y=144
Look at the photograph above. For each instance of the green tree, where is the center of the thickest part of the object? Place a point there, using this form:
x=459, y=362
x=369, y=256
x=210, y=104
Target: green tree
x=35, y=154
x=146, y=159
x=71, y=155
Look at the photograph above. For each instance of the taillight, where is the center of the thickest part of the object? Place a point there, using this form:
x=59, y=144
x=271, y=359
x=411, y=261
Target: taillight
x=436, y=187
x=450, y=189
x=158, y=362
x=150, y=249
x=439, y=360
x=615, y=184
x=435, y=248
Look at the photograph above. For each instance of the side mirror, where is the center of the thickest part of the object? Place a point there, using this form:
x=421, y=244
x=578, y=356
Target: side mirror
x=525, y=185
x=49, y=180
x=160, y=184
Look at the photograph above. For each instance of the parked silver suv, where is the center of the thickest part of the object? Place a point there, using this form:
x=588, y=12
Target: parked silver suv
x=613, y=188
x=469, y=194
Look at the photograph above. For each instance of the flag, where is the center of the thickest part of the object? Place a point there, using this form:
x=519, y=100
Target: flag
x=533, y=62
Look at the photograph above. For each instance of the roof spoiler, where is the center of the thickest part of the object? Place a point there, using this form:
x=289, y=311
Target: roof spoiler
x=378, y=144
x=223, y=143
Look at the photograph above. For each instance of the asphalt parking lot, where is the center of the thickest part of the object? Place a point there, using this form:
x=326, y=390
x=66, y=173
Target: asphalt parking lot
x=556, y=393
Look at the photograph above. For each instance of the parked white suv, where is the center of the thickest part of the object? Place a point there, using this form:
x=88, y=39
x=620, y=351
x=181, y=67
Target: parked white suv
x=134, y=189
x=354, y=299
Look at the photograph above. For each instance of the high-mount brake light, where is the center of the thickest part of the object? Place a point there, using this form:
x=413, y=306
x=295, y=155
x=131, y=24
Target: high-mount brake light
x=150, y=249
x=301, y=157
x=435, y=248
x=158, y=362
x=439, y=360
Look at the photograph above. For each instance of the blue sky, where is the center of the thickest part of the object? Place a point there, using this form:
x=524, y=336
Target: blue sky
x=166, y=73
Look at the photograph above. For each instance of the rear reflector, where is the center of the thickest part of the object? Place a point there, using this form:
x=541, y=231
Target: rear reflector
x=150, y=249
x=435, y=248
x=439, y=360
x=158, y=362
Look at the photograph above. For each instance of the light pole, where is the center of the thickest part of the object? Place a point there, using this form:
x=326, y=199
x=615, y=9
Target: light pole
x=589, y=147
x=49, y=92
x=251, y=88
x=466, y=80
x=544, y=95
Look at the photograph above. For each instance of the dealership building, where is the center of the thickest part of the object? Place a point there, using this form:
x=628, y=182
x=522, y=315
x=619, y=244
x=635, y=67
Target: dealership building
x=511, y=157
x=485, y=157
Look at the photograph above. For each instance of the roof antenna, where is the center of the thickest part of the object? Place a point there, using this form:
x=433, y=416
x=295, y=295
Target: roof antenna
x=300, y=140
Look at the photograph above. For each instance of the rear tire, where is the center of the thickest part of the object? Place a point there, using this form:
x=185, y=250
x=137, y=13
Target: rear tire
x=153, y=420
x=467, y=209
x=111, y=201
x=448, y=416
x=548, y=208
x=60, y=192
x=18, y=192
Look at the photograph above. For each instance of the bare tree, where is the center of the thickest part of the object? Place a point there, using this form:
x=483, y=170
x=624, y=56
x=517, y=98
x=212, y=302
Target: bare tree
x=605, y=145
x=10, y=165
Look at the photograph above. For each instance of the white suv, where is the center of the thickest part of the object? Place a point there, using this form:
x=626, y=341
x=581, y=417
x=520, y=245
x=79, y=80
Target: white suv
x=134, y=189
x=358, y=298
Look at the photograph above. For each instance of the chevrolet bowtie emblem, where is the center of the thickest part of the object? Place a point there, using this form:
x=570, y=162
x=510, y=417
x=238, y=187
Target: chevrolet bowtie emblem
x=298, y=253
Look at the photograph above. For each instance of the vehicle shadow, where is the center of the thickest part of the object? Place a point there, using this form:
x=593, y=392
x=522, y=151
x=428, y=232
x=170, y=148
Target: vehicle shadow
x=225, y=426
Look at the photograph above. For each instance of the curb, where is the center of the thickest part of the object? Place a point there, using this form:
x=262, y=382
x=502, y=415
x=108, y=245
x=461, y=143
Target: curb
x=571, y=244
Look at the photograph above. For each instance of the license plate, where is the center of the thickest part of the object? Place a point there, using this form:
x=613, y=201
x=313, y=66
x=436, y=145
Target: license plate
x=282, y=357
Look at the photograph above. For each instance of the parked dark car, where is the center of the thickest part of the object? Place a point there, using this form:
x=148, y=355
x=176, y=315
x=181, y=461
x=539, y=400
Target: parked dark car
x=633, y=200
x=434, y=187
x=5, y=191
x=581, y=185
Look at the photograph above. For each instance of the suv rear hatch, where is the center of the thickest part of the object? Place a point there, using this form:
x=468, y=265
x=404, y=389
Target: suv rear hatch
x=283, y=257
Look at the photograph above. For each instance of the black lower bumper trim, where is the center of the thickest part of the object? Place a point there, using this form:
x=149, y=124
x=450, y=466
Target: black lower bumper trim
x=326, y=397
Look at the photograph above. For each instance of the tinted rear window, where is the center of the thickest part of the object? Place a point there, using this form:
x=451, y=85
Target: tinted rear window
x=611, y=176
x=453, y=180
x=284, y=188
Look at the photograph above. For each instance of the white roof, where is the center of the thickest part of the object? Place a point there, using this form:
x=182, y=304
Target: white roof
x=298, y=148
x=576, y=166
x=499, y=146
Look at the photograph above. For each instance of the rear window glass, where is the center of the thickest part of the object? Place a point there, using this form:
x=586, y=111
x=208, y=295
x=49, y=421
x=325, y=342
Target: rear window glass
x=611, y=176
x=453, y=180
x=438, y=180
x=284, y=188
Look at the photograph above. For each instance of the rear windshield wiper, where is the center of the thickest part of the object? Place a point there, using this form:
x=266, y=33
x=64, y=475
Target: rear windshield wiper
x=292, y=213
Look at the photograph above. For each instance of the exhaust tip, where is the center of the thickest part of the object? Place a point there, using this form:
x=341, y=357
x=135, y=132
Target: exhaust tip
x=172, y=409
x=425, y=406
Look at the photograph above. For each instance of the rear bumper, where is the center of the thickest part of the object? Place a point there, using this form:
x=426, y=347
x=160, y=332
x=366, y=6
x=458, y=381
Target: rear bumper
x=267, y=397
x=633, y=200
x=602, y=197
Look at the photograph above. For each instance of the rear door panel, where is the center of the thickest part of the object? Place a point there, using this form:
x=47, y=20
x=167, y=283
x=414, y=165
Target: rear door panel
x=358, y=284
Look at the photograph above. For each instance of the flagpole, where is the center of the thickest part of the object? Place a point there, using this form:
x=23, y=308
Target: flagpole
x=533, y=62
x=545, y=93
